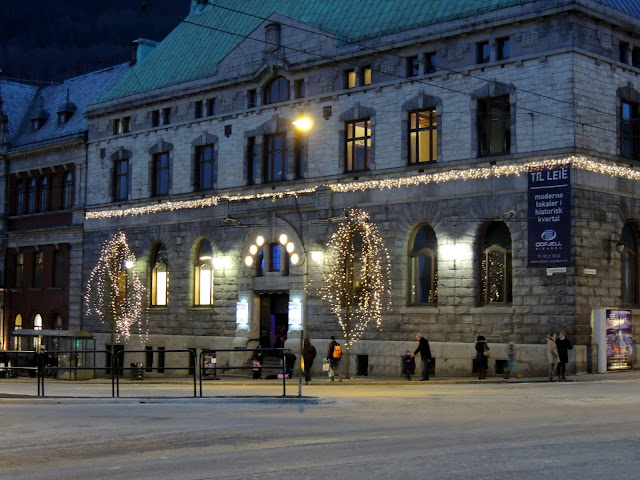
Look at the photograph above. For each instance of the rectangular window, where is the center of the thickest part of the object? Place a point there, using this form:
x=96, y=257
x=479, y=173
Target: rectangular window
x=483, y=52
x=211, y=107
x=19, y=279
x=624, y=52
x=423, y=136
x=121, y=180
x=38, y=269
x=431, y=62
x=350, y=79
x=197, y=109
x=252, y=161
x=275, y=258
x=275, y=157
x=166, y=116
x=299, y=88
x=413, y=66
x=635, y=57
x=117, y=126
x=494, y=126
x=155, y=118
x=365, y=76
x=161, y=174
x=630, y=130
x=252, y=97
x=358, y=145
x=503, y=48
x=205, y=172
x=300, y=154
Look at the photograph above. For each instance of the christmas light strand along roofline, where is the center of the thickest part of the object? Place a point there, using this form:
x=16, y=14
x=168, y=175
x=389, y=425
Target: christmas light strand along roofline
x=579, y=162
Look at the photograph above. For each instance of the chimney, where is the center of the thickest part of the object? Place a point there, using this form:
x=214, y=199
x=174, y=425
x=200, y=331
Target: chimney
x=140, y=48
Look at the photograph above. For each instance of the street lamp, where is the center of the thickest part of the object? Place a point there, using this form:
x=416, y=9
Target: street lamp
x=303, y=122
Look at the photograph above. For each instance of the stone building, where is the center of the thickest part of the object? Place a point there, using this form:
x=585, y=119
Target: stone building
x=44, y=158
x=495, y=146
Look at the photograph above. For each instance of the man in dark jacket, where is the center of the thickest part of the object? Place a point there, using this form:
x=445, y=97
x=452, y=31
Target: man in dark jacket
x=333, y=360
x=564, y=345
x=425, y=355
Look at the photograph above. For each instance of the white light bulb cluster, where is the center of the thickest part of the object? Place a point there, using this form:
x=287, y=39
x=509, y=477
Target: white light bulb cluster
x=284, y=241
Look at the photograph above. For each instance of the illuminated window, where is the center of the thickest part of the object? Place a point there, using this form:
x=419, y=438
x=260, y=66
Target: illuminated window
x=494, y=126
x=350, y=78
x=277, y=90
x=274, y=261
x=38, y=269
x=203, y=274
x=365, y=76
x=423, y=136
x=423, y=266
x=37, y=322
x=17, y=324
x=159, y=276
x=358, y=149
x=496, y=265
x=43, y=190
x=630, y=266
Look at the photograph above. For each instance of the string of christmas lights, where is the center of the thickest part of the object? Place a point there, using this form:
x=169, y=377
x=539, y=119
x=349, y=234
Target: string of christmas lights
x=114, y=290
x=579, y=162
x=355, y=282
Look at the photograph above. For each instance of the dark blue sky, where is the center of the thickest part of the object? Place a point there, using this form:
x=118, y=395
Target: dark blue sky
x=47, y=41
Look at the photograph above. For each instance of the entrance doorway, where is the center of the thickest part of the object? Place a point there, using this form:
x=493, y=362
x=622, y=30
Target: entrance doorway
x=274, y=319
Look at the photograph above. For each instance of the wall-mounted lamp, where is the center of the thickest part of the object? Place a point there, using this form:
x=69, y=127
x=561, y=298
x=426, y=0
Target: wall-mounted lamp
x=614, y=238
x=303, y=122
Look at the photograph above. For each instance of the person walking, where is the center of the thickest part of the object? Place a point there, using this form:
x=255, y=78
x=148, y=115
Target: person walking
x=425, y=356
x=552, y=354
x=334, y=354
x=564, y=345
x=511, y=362
x=482, y=357
x=308, y=354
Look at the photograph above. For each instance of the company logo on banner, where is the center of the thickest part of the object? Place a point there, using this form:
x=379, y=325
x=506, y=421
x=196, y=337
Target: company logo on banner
x=550, y=217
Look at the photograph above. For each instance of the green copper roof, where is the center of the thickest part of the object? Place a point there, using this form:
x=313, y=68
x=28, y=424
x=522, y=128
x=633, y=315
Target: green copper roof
x=194, y=48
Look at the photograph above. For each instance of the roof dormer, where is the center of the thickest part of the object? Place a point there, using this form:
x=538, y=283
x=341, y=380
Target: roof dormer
x=66, y=110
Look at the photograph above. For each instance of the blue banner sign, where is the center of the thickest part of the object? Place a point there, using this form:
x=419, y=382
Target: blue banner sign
x=549, y=217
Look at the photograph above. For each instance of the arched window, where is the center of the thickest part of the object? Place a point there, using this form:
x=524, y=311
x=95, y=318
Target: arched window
x=17, y=324
x=67, y=191
x=277, y=90
x=38, y=269
x=31, y=196
x=57, y=322
x=203, y=274
x=423, y=266
x=495, y=269
x=20, y=198
x=630, y=266
x=159, y=276
x=58, y=269
x=37, y=322
x=43, y=190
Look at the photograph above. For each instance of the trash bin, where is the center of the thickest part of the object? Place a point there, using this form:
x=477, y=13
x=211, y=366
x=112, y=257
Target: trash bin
x=137, y=371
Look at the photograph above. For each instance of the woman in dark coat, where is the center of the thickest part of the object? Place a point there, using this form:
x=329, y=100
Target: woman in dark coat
x=308, y=354
x=482, y=361
x=564, y=345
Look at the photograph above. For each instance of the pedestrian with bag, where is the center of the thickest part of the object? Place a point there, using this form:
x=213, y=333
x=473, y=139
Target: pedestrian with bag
x=425, y=356
x=564, y=345
x=308, y=355
x=334, y=354
x=511, y=362
x=552, y=354
x=482, y=357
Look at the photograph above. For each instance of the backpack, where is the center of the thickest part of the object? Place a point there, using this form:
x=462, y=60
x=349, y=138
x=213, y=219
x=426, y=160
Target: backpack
x=337, y=351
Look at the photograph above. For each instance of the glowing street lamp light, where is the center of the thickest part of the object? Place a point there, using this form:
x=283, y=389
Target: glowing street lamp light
x=303, y=122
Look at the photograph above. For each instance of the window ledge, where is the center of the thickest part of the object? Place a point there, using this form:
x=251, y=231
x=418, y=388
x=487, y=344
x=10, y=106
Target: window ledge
x=494, y=309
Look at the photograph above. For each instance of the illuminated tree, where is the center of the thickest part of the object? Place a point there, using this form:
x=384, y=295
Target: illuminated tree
x=355, y=282
x=114, y=291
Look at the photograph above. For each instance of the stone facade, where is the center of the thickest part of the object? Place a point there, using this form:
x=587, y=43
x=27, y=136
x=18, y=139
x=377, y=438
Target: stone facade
x=564, y=80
